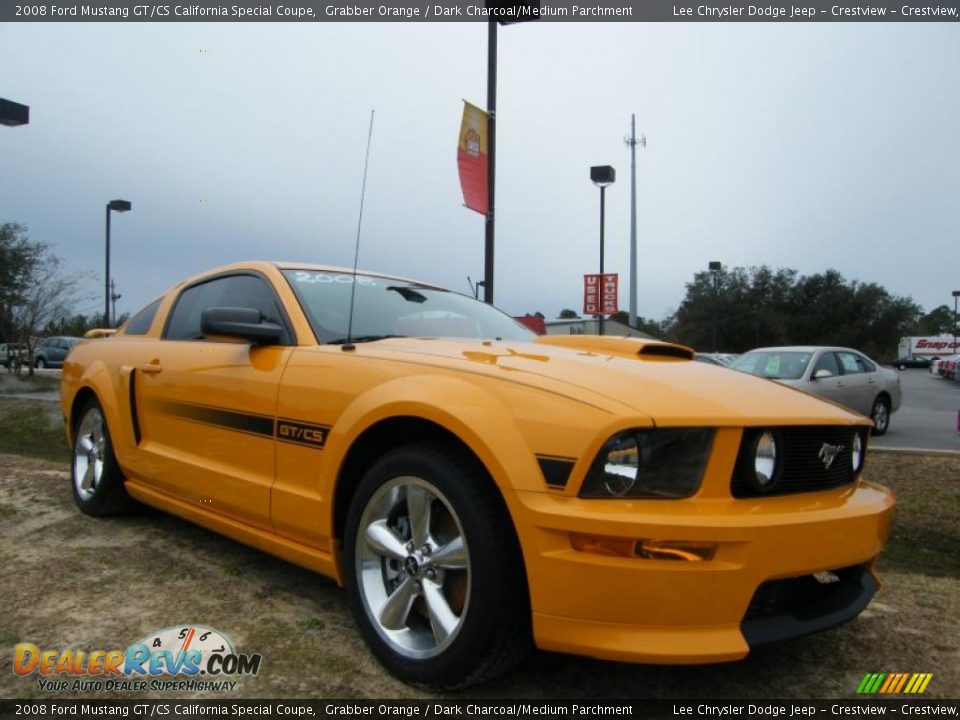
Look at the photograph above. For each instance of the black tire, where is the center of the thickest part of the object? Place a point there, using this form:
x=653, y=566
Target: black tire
x=102, y=492
x=880, y=414
x=40, y=363
x=492, y=631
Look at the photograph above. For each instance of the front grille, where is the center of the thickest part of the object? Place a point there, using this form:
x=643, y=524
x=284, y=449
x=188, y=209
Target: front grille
x=801, y=468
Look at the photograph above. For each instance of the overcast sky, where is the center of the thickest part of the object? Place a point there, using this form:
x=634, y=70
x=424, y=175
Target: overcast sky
x=803, y=146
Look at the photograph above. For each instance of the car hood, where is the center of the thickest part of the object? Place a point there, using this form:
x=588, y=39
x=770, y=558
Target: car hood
x=651, y=378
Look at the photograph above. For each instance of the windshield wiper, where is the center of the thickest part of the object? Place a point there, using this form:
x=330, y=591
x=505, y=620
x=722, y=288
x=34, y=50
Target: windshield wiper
x=362, y=338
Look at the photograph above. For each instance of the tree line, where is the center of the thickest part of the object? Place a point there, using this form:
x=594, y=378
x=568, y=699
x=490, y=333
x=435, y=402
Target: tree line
x=37, y=296
x=741, y=308
x=737, y=309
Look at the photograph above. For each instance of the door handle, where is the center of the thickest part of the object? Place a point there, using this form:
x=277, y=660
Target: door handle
x=151, y=368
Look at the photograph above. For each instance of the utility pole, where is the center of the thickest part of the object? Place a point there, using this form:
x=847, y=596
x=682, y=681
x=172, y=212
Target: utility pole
x=114, y=296
x=632, y=143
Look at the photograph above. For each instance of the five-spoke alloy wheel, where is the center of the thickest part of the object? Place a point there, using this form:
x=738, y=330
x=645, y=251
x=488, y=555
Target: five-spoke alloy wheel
x=96, y=478
x=433, y=569
x=413, y=567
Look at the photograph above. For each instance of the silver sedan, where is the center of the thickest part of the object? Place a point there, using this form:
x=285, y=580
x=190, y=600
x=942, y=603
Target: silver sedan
x=845, y=376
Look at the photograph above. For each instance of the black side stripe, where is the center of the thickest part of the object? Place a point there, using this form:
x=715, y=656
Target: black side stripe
x=284, y=430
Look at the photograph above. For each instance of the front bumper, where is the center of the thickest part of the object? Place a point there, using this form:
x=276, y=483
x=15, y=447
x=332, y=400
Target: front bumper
x=677, y=611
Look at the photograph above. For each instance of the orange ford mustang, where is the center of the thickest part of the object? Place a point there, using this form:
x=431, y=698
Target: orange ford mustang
x=476, y=487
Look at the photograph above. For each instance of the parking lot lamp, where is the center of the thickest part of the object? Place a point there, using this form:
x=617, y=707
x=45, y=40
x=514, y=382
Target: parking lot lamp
x=116, y=206
x=13, y=113
x=602, y=176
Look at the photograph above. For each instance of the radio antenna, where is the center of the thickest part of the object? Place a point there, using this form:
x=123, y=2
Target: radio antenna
x=348, y=345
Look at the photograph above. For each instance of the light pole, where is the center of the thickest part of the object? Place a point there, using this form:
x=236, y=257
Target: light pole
x=956, y=294
x=602, y=176
x=496, y=8
x=13, y=114
x=117, y=206
x=714, y=267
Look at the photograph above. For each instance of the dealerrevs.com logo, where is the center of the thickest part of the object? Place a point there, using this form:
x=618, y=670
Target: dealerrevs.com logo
x=181, y=658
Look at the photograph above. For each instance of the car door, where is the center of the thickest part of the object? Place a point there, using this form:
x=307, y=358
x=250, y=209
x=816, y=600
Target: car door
x=874, y=382
x=207, y=406
x=832, y=387
x=857, y=389
x=59, y=351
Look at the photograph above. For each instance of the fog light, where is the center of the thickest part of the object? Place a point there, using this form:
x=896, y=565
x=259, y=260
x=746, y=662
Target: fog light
x=688, y=550
x=765, y=465
x=856, y=454
x=600, y=545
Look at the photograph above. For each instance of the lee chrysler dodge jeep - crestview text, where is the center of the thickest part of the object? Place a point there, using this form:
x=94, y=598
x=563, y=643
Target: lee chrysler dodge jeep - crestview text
x=476, y=488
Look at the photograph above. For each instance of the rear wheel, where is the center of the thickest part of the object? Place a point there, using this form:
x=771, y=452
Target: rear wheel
x=96, y=478
x=880, y=415
x=433, y=569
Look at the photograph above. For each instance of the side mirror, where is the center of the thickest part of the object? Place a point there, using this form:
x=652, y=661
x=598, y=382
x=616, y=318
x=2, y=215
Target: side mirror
x=821, y=373
x=239, y=322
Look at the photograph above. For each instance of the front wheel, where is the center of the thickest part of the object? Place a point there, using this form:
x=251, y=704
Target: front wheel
x=880, y=416
x=41, y=363
x=433, y=569
x=96, y=478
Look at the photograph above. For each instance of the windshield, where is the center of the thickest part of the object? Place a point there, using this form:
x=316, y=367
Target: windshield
x=383, y=307
x=774, y=364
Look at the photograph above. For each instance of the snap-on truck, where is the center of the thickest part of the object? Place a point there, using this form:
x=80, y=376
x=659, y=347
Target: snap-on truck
x=928, y=347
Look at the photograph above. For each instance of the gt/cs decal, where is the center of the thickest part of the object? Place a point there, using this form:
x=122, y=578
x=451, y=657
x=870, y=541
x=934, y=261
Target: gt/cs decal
x=282, y=429
x=301, y=433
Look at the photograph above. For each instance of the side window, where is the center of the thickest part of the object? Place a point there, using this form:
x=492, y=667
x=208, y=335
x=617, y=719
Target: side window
x=140, y=323
x=827, y=361
x=865, y=365
x=232, y=291
x=848, y=361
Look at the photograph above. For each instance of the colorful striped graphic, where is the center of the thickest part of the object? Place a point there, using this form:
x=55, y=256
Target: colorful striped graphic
x=887, y=683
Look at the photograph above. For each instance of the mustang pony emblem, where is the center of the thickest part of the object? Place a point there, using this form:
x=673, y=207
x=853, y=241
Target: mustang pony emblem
x=828, y=453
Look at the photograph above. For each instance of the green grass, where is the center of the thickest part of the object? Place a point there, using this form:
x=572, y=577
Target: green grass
x=33, y=428
x=926, y=529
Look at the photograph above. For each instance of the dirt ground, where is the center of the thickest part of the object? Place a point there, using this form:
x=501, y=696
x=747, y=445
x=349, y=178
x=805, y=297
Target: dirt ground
x=71, y=581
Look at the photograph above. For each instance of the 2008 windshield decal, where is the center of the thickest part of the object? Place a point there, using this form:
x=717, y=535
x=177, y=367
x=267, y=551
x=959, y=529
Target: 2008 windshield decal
x=302, y=276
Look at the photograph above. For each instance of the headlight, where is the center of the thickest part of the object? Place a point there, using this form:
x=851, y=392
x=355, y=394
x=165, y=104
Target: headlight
x=665, y=463
x=765, y=460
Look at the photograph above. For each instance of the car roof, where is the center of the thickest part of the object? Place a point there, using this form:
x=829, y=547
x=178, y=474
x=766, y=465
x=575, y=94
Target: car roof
x=804, y=348
x=288, y=265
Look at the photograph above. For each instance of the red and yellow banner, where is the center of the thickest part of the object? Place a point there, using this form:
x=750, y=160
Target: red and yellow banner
x=472, y=158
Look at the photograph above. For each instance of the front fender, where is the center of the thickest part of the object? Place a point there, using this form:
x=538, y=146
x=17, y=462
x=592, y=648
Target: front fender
x=109, y=391
x=476, y=416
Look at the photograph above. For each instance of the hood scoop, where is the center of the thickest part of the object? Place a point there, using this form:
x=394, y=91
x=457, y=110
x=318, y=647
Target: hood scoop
x=623, y=346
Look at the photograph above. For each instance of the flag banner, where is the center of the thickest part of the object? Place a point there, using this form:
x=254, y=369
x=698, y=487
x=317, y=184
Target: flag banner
x=600, y=294
x=472, y=158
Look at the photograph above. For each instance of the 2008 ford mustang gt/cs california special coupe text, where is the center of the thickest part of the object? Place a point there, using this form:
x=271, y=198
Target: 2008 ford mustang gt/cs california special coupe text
x=473, y=486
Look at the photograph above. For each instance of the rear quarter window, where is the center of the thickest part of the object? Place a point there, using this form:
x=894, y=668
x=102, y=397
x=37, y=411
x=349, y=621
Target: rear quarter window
x=140, y=323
